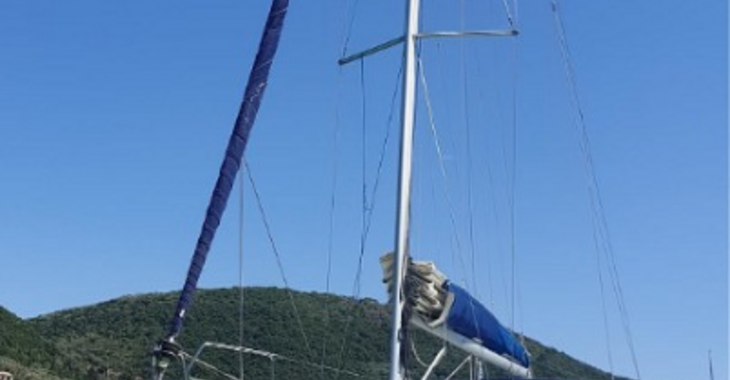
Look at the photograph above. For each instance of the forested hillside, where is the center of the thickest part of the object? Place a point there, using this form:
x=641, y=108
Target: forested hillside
x=113, y=340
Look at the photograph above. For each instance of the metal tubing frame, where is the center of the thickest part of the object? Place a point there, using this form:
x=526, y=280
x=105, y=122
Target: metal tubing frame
x=469, y=346
x=436, y=360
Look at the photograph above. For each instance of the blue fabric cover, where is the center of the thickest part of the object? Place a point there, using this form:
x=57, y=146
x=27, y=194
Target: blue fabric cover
x=232, y=161
x=471, y=319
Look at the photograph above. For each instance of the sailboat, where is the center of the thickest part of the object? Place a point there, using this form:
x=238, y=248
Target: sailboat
x=420, y=295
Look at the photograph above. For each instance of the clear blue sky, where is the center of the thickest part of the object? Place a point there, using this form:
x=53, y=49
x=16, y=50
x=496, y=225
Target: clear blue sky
x=114, y=117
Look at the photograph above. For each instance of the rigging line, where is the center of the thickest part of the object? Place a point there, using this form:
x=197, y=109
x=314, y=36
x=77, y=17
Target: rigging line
x=509, y=165
x=346, y=33
x=469, y=163
x=240, y=272
x=595, y=197
x=444, y=239
x=364, y=198
x=510, y=19
x=469, y=168
x=493, y=204
x=372, y=208
x=448, y=143
x=513, y=178
x=277, y=255
x=596, y=203
x=603, y=301
x=332, y=208
x=437, y=145
x=363, y=163
x=368, y=211
x=381, y=159
x=491, y=185
x=347, y=28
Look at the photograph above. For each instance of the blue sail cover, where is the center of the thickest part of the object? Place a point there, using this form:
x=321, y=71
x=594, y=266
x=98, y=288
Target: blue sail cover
x=471, y=319
x=232, y=161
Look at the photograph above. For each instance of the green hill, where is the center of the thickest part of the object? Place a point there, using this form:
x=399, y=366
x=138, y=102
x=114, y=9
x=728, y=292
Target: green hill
x=21, y=340
x=112, y=340
x=26, y=354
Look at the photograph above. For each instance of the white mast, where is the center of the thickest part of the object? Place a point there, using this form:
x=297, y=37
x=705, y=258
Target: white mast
x=396, y=370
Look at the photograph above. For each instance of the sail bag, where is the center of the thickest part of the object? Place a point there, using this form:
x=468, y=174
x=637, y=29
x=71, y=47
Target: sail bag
x=439, y=302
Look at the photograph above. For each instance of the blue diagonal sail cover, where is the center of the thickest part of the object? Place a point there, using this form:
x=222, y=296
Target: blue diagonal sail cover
x=252, y=97
x=468, y=317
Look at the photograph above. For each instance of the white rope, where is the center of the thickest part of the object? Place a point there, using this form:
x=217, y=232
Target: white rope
x=415, y=354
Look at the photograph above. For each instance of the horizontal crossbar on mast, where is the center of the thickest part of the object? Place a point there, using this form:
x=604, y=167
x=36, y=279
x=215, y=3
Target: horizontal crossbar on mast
x=395, y=41
x=470, y=33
